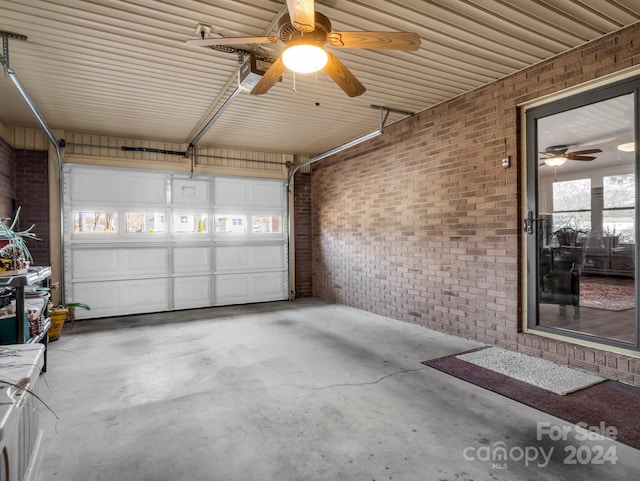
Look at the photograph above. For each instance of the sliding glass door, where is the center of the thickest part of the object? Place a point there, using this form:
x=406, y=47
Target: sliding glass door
x=581, y=223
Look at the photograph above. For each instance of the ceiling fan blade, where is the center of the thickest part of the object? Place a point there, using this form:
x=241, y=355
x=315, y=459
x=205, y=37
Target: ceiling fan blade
x=579, y=157
x=208, y=42
x=343, y=77
x=377, y=40
x=303, y=14
x=588, y=151
x=270, y=77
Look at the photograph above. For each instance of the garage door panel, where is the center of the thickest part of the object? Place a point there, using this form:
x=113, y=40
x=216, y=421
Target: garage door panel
x=230, y=258
x=230, y=192
x=190, y=192
x=129, y=270
x=121, y=297
x=100, y=296
x=191, y=260
x=112, y=262
x=231, y=288
x=256, y=193
x=116, y=186
x=190, y=292
x=94, y=263
x=268, y=286
x=267, y=194
x=249, y=257
x=267, y=257
x=244, y=288
x=150, y=261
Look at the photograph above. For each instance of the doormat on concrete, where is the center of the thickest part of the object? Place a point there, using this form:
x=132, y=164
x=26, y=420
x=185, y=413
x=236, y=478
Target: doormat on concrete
x=607, y=297
x=610, y=402
x=533, y=370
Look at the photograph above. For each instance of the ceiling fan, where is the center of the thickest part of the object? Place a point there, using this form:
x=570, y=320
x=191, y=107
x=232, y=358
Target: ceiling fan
x=305, y=31
x=557, y=155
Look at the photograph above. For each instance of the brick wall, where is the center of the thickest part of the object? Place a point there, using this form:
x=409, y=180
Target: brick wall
x=32, y=192
x=302, y=227
x=7, y=181
x=422, y=224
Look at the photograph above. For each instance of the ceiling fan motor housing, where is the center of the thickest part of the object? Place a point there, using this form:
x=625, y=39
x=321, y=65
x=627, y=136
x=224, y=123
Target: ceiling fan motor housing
x=557, y=149
x=289, y=34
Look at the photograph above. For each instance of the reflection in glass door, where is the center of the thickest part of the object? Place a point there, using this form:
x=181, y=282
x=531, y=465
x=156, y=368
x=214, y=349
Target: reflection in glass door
x=582, y=218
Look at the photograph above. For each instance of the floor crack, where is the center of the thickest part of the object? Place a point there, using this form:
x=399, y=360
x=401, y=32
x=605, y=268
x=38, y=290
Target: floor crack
x=365, y=383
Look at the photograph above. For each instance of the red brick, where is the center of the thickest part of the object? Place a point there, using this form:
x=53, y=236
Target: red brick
x=24, y=183
x=423, y=220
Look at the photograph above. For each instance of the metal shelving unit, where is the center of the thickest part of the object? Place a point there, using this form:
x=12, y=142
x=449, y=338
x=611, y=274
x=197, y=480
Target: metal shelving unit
x=34, y=276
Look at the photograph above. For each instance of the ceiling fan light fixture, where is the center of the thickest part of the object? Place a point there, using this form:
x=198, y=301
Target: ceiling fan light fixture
x=304, y=58
x=628, y=147
x=555, y=161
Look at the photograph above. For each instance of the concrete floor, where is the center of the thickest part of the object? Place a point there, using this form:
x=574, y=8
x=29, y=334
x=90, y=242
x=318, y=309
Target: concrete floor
x=287, y=391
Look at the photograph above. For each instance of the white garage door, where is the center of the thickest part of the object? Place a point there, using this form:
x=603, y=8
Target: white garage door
x=138, y=242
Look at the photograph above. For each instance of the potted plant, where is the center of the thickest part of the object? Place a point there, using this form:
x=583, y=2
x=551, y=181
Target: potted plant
x=14, y=253
x=59, y=314
x=610, y=238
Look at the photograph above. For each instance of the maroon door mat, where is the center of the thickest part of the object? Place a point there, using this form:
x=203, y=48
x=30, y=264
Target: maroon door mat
x=609, y=402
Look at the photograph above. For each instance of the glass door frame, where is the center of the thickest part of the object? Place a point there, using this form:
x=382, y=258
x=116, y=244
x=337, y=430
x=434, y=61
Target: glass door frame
x=532, y=226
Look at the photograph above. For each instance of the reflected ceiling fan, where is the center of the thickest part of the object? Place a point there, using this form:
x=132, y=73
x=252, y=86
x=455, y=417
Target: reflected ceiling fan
x=305, y=31
x=557, y=155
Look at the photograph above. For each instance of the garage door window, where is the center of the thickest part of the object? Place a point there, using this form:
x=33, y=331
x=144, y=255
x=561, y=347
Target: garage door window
x=140, y=222
x=190, y=223
x=91, y=222
x=265, y=224
x=229, y=223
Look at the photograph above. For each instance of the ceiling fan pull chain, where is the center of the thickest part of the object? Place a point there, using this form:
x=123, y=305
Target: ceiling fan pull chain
x=317, y=98
x=294, y=82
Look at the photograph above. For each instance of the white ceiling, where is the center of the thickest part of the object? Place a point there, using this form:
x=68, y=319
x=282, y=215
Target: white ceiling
x=121, y=67
x=602, y=125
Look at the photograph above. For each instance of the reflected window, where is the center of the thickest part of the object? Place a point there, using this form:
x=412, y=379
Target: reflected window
x=619, y=195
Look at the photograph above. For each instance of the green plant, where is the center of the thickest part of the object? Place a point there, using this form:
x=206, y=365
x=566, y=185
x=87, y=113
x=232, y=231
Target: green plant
x=69, y=308
x=70, y=305
x=568, y=235
x=15, y=253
